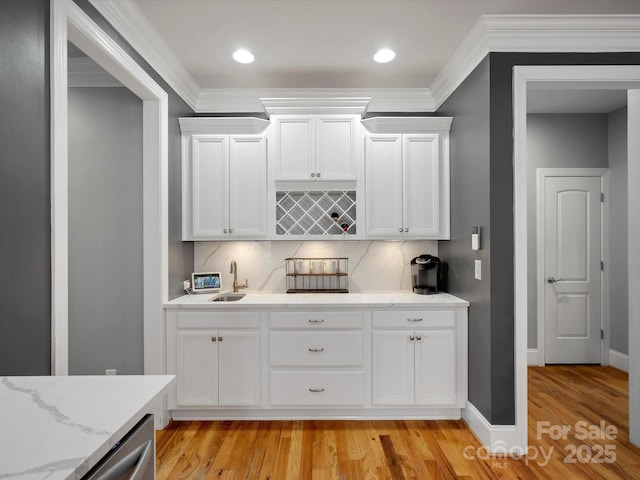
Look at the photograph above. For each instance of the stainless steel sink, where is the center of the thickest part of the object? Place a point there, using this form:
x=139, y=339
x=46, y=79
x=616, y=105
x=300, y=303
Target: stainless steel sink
x=228, y=297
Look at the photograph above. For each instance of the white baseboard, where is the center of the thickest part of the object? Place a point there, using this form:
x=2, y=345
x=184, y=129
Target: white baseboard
x=495, y=438
x=532, y=357
x=619, y=360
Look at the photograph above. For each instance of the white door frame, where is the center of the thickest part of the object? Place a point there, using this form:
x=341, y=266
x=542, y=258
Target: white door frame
x=542, y=174
x=70, y=23
x=596, y=76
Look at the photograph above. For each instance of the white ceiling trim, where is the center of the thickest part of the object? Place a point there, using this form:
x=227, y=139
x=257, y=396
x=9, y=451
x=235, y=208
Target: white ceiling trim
x=491, y=33
x=536, y=33
x=128, y=20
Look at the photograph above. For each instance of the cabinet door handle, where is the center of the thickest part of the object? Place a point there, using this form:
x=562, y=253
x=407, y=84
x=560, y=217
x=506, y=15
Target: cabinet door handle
x=320, y=349
x=316, y=320
x=412, y=338
x=316, y=390
x=313, y=175
x=406, y=229
x=400, y=229
x=231, y=230
x=414, y=319
x=219, y=339
x=419, y=338
x=318, y=175
x=214, y=339
x=224, y=230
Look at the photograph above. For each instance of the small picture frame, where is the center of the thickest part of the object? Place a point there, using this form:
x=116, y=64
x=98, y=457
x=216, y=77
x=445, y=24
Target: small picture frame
x=206, y=282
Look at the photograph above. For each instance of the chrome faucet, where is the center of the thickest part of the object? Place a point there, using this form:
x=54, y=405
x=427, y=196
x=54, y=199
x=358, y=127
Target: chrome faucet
x=237, y=286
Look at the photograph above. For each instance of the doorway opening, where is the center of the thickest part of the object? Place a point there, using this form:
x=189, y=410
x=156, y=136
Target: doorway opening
x=70, y=24
x=625, y=78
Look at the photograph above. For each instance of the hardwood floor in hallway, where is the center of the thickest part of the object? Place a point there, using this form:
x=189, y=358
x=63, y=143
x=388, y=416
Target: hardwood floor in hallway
x=578, y=429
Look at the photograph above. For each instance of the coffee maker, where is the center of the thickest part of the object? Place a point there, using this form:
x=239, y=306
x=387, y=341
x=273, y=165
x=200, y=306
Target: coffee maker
x=427, y=275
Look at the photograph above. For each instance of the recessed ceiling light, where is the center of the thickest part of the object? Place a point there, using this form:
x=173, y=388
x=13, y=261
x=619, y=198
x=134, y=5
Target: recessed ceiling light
x=385, y=55
x=243, y=56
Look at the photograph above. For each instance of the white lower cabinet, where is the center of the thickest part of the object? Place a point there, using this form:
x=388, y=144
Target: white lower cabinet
x=377, y=363
x=417, y=365
x=214, y=366
x=316, y=359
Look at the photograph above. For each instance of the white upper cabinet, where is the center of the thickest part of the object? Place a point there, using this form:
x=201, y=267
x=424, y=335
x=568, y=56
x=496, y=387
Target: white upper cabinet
x=224, y=180
x=407, y=180
x=315, y=147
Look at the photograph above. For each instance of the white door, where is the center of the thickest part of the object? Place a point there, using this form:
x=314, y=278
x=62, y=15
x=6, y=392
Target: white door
x=572, y=272
x=393, y=368
x=435, y=367
x=247, y=186
x=239, y=367
x=197, y=368
x=383, y=187
x=421, y=192
x=295, y=145
x=336, y=147
x=209, y=185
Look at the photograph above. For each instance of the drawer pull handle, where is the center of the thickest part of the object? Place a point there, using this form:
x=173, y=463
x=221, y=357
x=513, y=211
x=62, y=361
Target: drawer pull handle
x=320, y=349
x=214, y=339
x=316, y=320
x=414, y=319
x=412, y=338
x=316, y=390
x=419, y=338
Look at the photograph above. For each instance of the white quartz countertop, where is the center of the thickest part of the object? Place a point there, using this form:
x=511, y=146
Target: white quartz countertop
x=59, y=427
x=303, y=300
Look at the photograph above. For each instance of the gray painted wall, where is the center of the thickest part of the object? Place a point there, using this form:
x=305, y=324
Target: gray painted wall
x=180, y=253
x=25, y=245
x=470, y=205
x=619, y=339
x=558, y=141
x=105, y=231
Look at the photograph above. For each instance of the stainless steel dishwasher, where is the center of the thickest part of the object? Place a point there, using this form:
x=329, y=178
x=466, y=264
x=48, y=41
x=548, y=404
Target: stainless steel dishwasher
x=132, y=458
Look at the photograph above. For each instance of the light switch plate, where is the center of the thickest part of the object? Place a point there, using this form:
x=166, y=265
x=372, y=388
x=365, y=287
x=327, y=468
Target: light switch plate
x=478, y=270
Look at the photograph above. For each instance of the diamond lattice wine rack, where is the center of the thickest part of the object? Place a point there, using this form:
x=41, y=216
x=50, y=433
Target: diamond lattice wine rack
x=316, y=213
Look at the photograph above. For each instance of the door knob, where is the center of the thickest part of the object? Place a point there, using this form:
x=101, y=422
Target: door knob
x=554, y=280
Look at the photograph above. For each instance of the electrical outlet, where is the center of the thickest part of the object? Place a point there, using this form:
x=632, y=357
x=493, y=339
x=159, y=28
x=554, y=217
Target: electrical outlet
x=111, y=371
x=186, y=285
x=478, y=270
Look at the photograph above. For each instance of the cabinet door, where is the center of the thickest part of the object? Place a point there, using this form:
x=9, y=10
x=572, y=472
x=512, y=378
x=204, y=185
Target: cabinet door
x=435, y=368
x=421, y=185
x=295, y=147
x=383, y=187
x=393, y=368
x=209, y=185
x=239, y=371
x=247, y=186
x=336, y=147
x=197, y=368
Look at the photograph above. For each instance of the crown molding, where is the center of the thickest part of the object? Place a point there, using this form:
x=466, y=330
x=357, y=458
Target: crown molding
x=128, y=20
x=491, y=33
x=84, y=72
x=347, y=100
x=407, y=124
x=223, y=125
x=535, y=33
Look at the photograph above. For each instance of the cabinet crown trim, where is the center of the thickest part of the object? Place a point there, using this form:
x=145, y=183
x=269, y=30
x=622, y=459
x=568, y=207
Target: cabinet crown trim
x=223, y=125
x=315, y=105
x=407, y=124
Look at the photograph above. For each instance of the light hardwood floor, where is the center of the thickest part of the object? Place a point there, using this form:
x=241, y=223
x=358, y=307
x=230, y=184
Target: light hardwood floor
x=566, y=404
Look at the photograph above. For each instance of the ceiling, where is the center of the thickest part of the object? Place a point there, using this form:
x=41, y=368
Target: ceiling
x=330, y=43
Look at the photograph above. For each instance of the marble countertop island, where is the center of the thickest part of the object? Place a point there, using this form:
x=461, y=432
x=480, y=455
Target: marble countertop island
x=303, y=300
x=59, y=427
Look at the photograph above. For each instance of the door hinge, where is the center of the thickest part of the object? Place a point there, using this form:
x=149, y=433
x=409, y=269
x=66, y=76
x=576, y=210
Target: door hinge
x=601, y=265
x=601, y=334
x=601, y=197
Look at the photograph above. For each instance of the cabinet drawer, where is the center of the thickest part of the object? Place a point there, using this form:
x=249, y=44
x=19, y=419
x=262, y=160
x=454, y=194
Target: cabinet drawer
x=206, y=319
x=316, y=320
x=317, y=388
x=322, y=349
x=414, y=319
